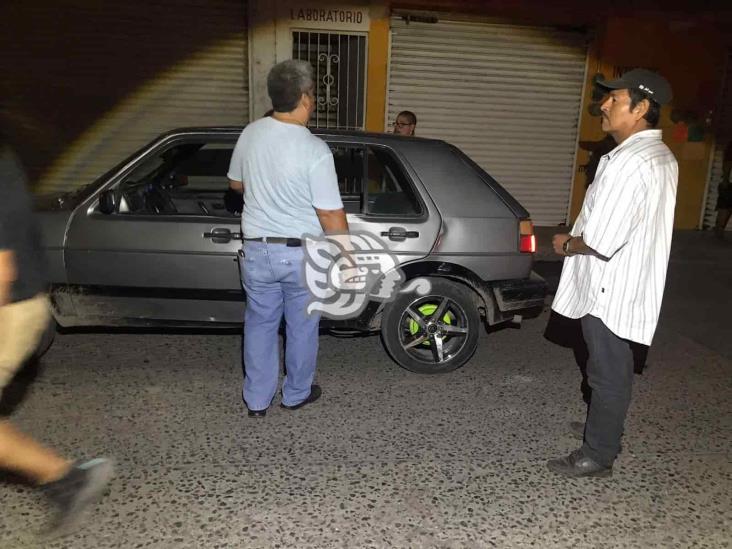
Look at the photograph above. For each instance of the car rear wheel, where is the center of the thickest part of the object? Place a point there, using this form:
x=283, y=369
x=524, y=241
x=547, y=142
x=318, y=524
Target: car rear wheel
x=433, y=333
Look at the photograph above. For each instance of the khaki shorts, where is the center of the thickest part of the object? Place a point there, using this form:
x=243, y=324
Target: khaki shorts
x=22, y=325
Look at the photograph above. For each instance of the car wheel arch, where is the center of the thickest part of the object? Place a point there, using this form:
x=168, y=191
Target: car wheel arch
x=484, y=300
x=441, y=269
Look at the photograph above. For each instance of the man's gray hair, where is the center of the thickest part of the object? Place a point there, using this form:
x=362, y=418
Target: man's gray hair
x=286, y=83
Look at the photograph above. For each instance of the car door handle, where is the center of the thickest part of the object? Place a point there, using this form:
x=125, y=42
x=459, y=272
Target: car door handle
x=222, y=235
x=399, y=234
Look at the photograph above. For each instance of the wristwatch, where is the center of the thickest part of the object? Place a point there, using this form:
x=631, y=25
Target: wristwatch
x=565, y=246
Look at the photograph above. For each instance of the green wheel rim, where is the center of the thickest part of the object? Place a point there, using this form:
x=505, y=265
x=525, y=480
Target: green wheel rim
x=427, y=310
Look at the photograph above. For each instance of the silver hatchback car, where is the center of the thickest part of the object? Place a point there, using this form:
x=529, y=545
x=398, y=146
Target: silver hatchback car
x=153, y=243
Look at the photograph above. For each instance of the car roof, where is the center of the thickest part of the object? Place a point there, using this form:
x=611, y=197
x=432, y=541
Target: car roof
x=321, y=132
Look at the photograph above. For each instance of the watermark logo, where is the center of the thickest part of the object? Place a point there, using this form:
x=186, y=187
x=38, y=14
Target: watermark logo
x=344, y=272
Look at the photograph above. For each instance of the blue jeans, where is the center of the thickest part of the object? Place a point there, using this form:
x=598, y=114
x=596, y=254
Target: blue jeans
x=273, y=278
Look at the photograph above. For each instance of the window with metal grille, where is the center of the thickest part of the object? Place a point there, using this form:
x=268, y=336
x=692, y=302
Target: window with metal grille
x=339, y=65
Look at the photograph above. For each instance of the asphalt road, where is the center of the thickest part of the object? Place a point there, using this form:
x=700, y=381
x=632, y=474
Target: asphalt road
x=388, y=458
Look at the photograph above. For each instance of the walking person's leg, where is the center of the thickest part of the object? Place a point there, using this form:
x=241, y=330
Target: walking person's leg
x=22, y=455
x=610, y=374
x=21, y=327
x=262, y=319
x=301, y=351
x=71, y=487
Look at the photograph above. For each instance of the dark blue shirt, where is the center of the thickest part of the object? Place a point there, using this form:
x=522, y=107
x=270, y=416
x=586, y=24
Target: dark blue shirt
x=18, y=232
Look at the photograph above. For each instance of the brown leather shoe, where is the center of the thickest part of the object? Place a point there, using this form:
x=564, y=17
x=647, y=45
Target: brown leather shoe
x=577, y=465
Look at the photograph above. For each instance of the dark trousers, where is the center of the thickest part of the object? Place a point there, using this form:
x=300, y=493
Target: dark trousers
x=610, y=376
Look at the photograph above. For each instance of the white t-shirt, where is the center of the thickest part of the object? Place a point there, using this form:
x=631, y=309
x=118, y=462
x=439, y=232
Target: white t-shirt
x=287, y=172
x=628, y=217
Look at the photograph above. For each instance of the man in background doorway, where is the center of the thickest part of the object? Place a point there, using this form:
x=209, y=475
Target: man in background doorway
x=406, y=123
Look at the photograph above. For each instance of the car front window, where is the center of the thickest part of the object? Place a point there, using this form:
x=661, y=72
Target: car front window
x=185, y=179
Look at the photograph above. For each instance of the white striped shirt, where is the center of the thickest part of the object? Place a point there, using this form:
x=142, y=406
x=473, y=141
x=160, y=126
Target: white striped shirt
x=627, y=217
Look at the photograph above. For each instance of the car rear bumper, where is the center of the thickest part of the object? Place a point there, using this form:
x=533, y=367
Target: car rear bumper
x=523, y=297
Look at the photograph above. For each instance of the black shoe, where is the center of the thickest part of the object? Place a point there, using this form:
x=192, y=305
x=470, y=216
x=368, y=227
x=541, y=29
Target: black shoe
x=577, y=430
x=75, y=492
x=577, y=465
x=315, y=392
x=254, y=413
x=257, y=413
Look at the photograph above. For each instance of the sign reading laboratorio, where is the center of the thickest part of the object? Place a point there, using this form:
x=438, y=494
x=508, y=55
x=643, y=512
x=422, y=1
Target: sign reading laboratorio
x=321, y=15
x=330, y=17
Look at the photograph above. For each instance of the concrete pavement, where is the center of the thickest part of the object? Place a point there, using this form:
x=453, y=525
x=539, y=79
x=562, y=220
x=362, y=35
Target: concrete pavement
x=388, y=458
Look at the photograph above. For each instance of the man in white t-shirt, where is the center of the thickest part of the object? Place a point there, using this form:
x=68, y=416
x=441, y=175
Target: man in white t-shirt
x=617, y=255
x=290, y=189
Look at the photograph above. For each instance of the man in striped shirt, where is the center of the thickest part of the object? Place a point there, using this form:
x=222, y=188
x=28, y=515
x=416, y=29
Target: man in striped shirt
x=616, y=259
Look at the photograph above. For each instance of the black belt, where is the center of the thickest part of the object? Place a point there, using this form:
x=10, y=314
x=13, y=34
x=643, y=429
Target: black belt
x=290, y=242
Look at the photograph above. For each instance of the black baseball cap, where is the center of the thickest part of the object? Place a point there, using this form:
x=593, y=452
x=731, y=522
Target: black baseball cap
x=654, y=85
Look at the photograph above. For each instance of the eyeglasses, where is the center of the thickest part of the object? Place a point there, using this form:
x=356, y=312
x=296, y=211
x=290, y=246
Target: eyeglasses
x=402, y=124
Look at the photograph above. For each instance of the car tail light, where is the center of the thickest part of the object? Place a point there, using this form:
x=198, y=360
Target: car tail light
x=527, y=238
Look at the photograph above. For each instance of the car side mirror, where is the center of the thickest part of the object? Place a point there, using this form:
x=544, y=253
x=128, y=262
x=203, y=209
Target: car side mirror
x=108, y=202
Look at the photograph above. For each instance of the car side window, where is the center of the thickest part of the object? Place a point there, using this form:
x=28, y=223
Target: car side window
x=389, y=192
x=205, y=170
x=372, y=182
x=185, y=179
x=350, y=171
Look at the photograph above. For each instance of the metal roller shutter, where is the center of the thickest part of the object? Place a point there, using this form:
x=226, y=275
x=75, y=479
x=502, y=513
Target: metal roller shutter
x=507, y=95
x=723, y=137
x=207, y=86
